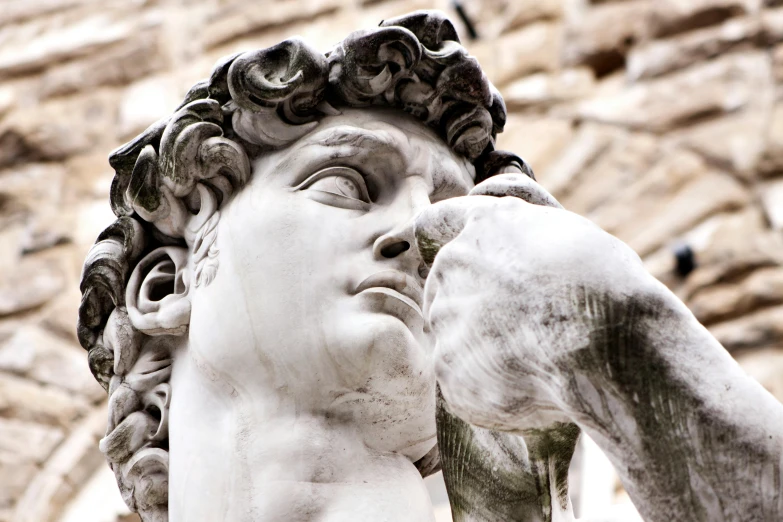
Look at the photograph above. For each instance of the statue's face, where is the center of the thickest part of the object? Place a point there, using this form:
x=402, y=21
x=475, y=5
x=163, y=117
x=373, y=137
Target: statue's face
x=316, y=305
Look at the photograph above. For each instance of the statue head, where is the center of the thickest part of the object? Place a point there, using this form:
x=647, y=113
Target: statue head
x=262, y=242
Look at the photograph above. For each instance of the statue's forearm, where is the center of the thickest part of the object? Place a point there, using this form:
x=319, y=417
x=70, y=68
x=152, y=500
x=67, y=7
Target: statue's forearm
x=691, y=435
x=542, y=318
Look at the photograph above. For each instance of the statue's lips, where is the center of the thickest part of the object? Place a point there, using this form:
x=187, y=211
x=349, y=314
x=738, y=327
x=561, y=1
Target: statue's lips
x=396, y=284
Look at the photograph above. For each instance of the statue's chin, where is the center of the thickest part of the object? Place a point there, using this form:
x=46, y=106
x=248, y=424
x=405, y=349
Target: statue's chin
x=392, y=390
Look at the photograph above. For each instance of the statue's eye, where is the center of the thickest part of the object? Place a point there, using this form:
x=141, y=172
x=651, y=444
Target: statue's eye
x=338, y=186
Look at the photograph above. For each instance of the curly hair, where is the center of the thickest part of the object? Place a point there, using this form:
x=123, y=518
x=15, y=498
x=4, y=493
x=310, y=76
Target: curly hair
x=171, y=181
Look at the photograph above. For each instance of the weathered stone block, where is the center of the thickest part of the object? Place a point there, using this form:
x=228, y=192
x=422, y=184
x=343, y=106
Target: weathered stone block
x=772, y=201
x=541, y=90
x=33, y=185
x=15, y=474
x=670, y=17
x=589, y=142
x=16, y=12
x=7, y=99
x=537, y=140
x=117, y=66
x=24, y=139
x=528, y=50
x=734, y=142
x=58, y=129
x=662, y=56
x=764, y=287
x=22, y=55
x=33, y=193
x=639, y=199
x=735, y=245
x=64, y=472
x=758, y=329
x=28, y=441
x=771, y=163
x=495, y=17
x=772, y=24
x=777, y=66
x=766, y=366
x=713, y=88
x=37, y=354
x=26, y=400
x=144, y=102
x=43, y=498
x=626, y=161
x=698, y=199
x=61, y=312
x=34, y=283
x=599, y=37
x=78, y=456
x=244, y=19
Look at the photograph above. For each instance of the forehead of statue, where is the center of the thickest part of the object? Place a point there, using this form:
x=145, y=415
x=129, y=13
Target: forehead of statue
x=376, y=139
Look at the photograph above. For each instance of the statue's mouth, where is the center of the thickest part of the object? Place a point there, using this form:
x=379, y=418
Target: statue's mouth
x=396, y=284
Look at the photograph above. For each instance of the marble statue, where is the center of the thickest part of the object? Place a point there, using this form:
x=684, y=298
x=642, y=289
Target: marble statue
x=324, y=283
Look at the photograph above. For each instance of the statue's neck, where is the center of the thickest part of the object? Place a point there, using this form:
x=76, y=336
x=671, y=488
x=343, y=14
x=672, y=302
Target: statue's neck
x=237, y=456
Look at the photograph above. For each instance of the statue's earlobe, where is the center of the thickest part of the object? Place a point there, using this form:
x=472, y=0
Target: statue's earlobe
x=157, y=293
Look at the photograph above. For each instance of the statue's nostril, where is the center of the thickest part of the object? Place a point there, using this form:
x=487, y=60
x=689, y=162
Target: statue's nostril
x=395, y=249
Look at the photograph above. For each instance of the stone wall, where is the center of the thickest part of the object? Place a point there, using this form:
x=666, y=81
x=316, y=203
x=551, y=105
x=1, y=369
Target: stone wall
x=661, y=120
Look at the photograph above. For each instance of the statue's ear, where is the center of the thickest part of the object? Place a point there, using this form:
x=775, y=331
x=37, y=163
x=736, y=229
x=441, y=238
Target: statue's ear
x=157, y=293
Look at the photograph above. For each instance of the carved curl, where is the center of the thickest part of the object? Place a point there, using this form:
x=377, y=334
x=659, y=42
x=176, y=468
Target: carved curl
x=171, y=182
x=416, y=63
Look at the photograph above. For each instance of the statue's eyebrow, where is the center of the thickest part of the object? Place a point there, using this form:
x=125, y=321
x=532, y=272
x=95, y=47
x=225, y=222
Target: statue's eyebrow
x=356, y=138
x=347, y=141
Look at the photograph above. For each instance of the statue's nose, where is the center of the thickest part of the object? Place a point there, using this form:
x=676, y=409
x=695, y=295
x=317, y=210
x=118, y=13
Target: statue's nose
x=399, y=241
x=395, y=242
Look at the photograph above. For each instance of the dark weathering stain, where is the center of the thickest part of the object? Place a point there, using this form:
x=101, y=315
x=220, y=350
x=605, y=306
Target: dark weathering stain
x=490, y=477
x=677, y=442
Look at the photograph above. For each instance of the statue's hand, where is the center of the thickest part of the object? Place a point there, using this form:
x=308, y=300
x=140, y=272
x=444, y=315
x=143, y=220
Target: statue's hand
x=518, y=288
